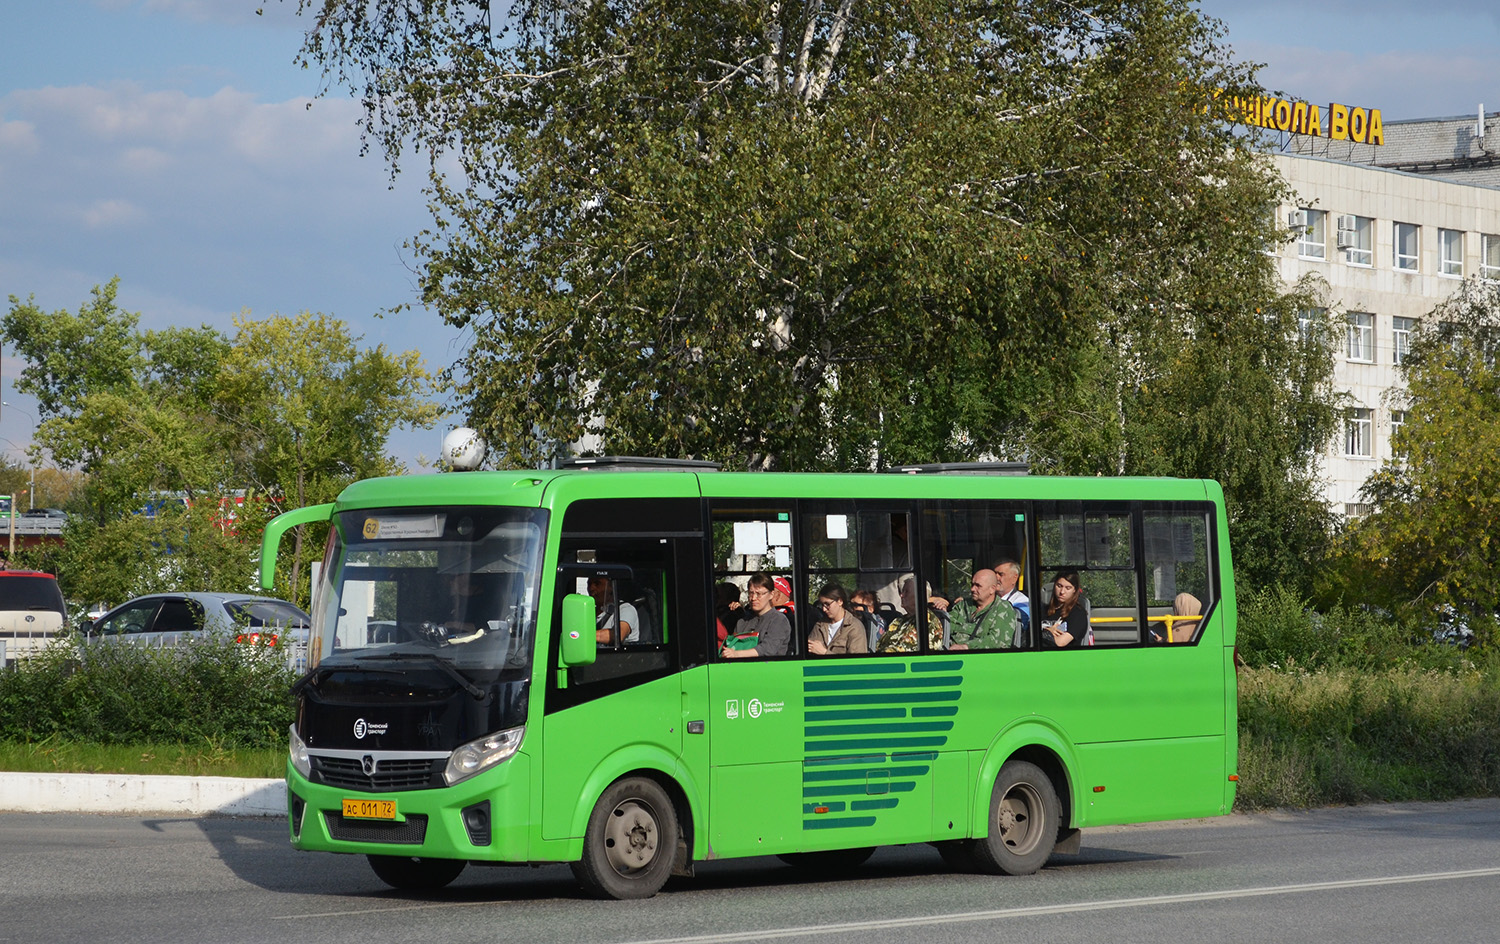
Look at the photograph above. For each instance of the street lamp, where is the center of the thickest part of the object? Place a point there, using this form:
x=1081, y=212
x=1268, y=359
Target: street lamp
x=31, y=488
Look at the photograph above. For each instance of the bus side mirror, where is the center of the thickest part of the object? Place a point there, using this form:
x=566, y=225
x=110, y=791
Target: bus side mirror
x=578, y=639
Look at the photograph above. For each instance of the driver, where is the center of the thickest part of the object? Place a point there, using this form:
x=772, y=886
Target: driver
x=610, y=615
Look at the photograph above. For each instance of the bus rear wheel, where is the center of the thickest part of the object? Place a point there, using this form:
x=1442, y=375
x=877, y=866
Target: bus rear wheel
x=1024, y=819
x=412, y=873
x=630, y=841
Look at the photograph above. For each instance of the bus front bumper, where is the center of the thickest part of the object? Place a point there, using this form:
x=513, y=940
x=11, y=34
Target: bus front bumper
x=484, y=818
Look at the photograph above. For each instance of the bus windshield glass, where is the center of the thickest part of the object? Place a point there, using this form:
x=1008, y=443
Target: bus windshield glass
x=455, y=585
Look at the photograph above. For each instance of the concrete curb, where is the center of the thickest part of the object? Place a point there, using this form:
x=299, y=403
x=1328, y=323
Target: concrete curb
x=126, y=793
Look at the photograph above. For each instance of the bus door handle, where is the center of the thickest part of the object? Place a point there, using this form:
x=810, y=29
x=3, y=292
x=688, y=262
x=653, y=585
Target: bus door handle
x=695, y=727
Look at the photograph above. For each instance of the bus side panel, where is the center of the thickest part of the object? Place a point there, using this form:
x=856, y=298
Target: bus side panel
x=694, y=772
x=952, y=780
x=752, y=812
x=755, y=747
x=1141, y=781
x=590, y=745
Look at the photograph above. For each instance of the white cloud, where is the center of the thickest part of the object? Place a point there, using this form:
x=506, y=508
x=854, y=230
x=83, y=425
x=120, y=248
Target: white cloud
x=17, y=136
x=111, y=213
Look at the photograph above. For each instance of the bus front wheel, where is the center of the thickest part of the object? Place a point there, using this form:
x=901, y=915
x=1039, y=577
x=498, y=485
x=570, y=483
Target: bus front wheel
x=630, y=841
x=415, y=874
x=1024, y=819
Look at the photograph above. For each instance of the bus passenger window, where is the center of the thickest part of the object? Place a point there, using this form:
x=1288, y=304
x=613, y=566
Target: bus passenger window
x=1092, y=548
x=752, y=550
x=863, y=549
x=1178, y=573
x=977, y=551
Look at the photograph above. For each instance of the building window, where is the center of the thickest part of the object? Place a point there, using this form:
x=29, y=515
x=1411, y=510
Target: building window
x=1406, y=246
x=1451, y=252
x=1312, y=233
x=1310, y=324
x=1401, y=329
x=1356, y=509
x=1356, y=237
x=1357, y=438
x=1398, y=420
x=1489, y=257
x=1361, y=337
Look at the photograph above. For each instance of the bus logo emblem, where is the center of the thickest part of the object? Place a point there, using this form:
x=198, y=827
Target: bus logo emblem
x=731, y=709
x=754, y=707
x=360, y=728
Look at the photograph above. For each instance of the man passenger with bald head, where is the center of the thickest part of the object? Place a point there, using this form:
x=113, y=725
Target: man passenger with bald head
x=984, y=620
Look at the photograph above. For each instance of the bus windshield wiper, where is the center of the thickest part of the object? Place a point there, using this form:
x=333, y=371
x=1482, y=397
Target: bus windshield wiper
x=437, y=660
x=313, y=676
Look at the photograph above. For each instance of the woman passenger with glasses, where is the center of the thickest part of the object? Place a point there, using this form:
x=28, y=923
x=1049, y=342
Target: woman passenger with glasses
x=839, y=632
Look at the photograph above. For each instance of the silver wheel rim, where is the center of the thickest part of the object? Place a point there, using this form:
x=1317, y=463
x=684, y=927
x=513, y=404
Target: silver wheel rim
x=1019, y=819
x=631, y=836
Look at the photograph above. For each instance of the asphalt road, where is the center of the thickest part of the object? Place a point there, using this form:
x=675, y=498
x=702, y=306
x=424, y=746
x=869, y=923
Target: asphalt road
x=1402, y=873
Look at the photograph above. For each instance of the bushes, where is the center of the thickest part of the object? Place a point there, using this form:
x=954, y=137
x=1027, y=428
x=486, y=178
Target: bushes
x=215, y=691
x=1350, y=736
x=1278, y=630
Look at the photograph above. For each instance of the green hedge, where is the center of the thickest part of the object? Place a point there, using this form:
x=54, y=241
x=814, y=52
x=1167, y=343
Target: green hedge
x=220, y=692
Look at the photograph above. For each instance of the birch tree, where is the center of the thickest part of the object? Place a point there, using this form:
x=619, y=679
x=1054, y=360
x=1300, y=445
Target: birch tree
x=840, y=235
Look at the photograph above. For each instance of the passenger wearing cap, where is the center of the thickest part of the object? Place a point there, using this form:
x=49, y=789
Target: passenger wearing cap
x=781, y=596
x=765, y=631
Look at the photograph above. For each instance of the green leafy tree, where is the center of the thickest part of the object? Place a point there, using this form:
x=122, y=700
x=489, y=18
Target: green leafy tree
x=844, y=235
x=192, y=440
x=312, y=410
x=1430, y=538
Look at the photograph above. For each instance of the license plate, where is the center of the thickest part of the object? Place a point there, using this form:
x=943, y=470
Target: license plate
x=369, y=809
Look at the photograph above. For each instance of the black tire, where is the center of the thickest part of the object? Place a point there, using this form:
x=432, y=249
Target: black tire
x=831, y=860
x=411, y=873
x=1024, y=819
x=630, y=842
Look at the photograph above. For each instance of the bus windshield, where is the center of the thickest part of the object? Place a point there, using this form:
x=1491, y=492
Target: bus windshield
x=456, y=586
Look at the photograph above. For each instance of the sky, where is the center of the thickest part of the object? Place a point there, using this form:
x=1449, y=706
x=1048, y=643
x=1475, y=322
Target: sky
x=171, y=143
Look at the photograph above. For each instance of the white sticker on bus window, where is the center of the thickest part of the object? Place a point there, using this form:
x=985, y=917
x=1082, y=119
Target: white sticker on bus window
x=1072, y=538
x=838, y=527
x=1183, y=543
x=1158, y=540
x=399, y=527
x=779, y=532
x=1097, y=535
x=749, y=537
x=1166, y=581
x=782, y=556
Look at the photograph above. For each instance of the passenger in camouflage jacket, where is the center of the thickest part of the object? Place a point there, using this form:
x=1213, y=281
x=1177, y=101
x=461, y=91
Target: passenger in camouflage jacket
x=984, y=621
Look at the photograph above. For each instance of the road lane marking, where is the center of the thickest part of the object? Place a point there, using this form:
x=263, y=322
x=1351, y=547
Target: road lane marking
x=1106, y=905
x=1033, y=910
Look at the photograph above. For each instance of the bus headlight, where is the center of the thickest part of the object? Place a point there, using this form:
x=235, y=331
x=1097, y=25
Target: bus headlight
x=298, y=753
x=479, y=756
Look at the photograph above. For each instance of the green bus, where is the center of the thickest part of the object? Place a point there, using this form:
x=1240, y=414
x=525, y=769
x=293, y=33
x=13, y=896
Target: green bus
x=524, y=667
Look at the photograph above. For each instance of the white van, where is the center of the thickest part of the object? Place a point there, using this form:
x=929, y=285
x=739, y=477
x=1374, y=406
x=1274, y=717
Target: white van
x=31, y=613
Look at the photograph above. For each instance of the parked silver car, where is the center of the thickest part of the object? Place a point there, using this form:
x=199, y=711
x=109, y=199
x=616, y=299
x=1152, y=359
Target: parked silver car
x=172, y=619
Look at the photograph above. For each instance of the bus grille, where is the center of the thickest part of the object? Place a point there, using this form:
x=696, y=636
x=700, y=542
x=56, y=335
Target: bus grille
x=410, y=833
x=390, y=774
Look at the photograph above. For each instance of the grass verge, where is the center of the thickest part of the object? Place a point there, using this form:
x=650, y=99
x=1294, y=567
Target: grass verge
x=1345, y=735
x=207, y=759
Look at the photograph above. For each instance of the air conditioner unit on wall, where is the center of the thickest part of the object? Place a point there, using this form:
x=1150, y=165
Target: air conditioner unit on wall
x=1348, y=231
x=1297, y=220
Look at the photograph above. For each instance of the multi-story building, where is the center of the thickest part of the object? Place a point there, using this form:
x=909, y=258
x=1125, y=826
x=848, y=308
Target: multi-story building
x=1392, y=230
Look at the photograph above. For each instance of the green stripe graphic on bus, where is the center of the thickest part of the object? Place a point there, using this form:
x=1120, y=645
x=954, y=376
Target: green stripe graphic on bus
x=872, y=730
